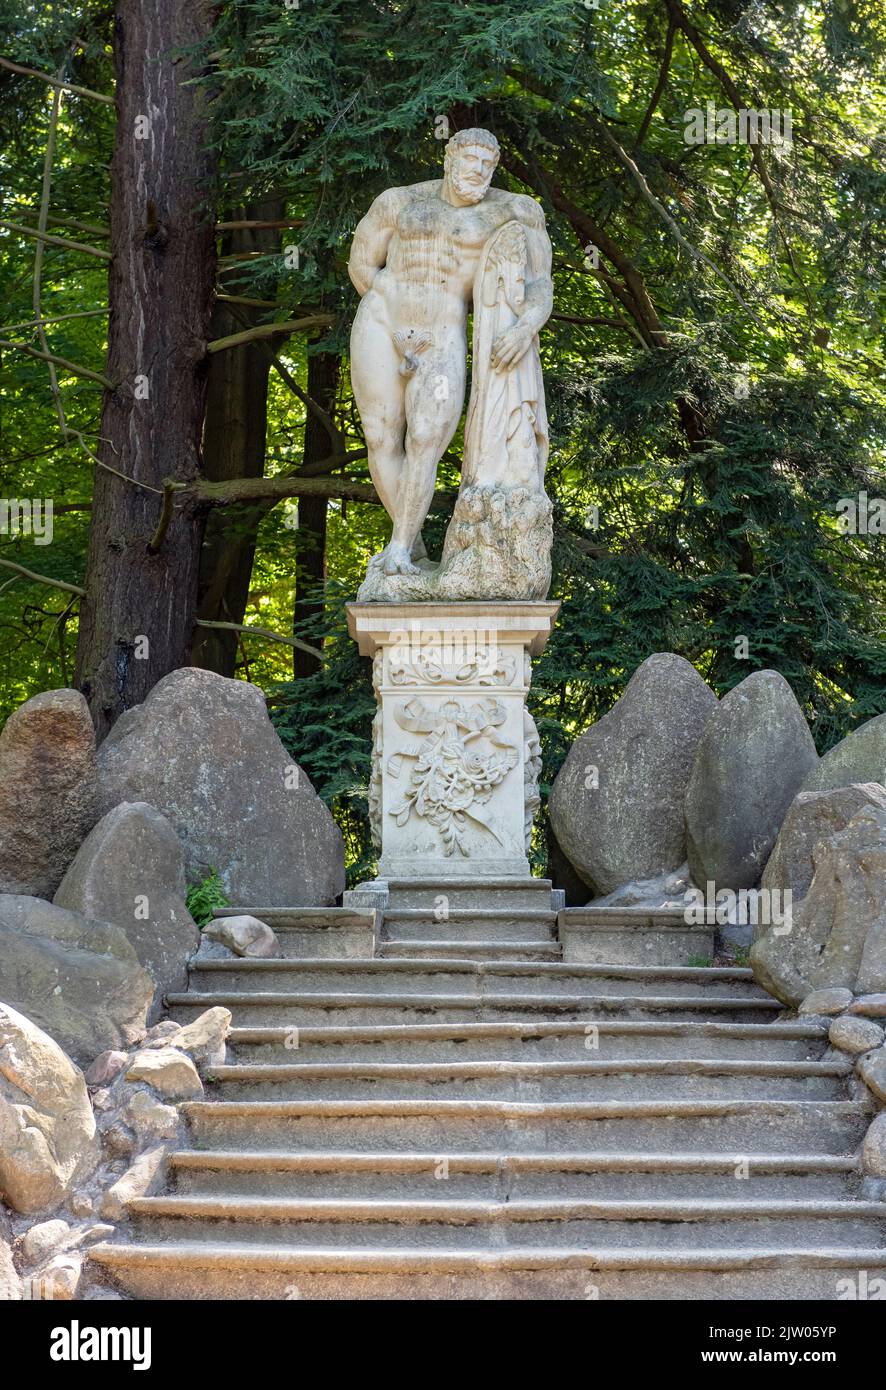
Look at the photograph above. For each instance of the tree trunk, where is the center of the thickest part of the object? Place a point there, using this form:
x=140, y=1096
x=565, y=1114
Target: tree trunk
x=234, y=447
x=323, y=371
x=137, y=618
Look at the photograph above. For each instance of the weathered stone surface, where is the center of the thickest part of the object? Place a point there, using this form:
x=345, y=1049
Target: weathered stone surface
x=666, y=890
x=149, y=1117
x=838, y=935
x=244, y=935
x=47, y=790
x=752, y=756
x=873, y=1154
x=10, y=1282
x=848, y=890
x=860, y=757
x=855, y=1035
x=78, y=979
x=826, y=1001
x=47, y=1128
x=202, y=750
x=105, y=1068
x=170, y=1073
x=160, y=1033
x=130, y=871
x=814, y=816
x=39, y=1241
x=137, y=1181
x=59, y=1279
x=872, y=1070
x=616, y=805
x=204, y=1039
x=870, y=1005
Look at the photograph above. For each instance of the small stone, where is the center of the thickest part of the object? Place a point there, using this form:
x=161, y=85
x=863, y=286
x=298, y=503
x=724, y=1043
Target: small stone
x=101, y=1099
x=60, y=1278
x=97, y=1230
x=159, y=1035
x=80, y=1204
x=855, y=1034
x=826, y=1001
x=244, y=935
x=871, y=1005
x=105, y=1068
x=40, y=1241
x=204, y=1039
x=149, y=1116
x=873, y=1154
x=168, y=1071
x=135, y=1182
x=872, y=1070
x=119, y=1141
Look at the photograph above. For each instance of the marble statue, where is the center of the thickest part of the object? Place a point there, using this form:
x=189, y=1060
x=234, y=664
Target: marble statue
x=421, y=259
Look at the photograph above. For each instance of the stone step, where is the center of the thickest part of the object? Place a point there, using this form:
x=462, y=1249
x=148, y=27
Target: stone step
x=441, y=949
x=547, y=1222
x=638, y=936
x=680, y=1078
x=468, y=977
x=492, y=1176
x=502, y=894
x=448, y=1126
x=558, y=1041
x=197, y=1270
x=296, y=1010
x=324, y=932
x=469, y=924
x=293, y=1010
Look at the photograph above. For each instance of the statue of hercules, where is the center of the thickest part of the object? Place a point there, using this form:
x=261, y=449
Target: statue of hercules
x=413, y=262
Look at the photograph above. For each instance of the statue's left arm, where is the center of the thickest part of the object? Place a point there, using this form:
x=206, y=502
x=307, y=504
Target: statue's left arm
x=511, y=345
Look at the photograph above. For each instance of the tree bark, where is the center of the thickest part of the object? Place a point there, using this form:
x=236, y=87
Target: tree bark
x=138, y=616
x=234, y=447
x=323, y=373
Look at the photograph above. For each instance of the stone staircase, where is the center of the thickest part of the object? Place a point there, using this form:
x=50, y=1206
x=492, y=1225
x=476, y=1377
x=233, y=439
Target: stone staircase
x=429, y=1103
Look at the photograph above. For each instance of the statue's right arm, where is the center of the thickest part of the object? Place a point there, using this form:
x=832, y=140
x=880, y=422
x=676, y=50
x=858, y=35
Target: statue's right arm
x=369, y=248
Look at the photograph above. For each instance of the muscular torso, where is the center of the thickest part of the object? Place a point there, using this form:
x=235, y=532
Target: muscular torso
x=433, y=256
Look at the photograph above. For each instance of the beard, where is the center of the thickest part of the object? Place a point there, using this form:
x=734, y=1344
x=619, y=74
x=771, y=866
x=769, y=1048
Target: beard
x=470, y=192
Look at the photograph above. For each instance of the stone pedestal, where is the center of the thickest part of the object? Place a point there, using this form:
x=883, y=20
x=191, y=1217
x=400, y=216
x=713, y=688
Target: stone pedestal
x=456, y=757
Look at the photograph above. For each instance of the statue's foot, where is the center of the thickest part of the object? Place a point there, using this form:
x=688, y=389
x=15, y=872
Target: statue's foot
x=396, y=559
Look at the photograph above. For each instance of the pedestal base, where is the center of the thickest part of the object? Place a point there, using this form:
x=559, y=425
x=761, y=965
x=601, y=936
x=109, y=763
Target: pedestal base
x=456, y=756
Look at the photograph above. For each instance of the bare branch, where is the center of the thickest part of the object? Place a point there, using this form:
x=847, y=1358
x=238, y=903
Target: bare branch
x=56, y=82
x=262, y=632
x=42, y=215
x=270, y=330
x=44, y=579
x=659, y=86
x=170, y=488
x=658, y=207
x=57, y=240
x=53, y=318
x=73, y=367
x=250, y=224
x=245, y=299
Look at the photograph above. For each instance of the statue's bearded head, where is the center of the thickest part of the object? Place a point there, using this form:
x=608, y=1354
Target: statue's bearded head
x=469, y=163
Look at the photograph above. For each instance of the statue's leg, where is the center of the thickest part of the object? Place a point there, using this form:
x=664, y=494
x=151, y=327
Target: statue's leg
x=434, y=400
x=379, y=391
